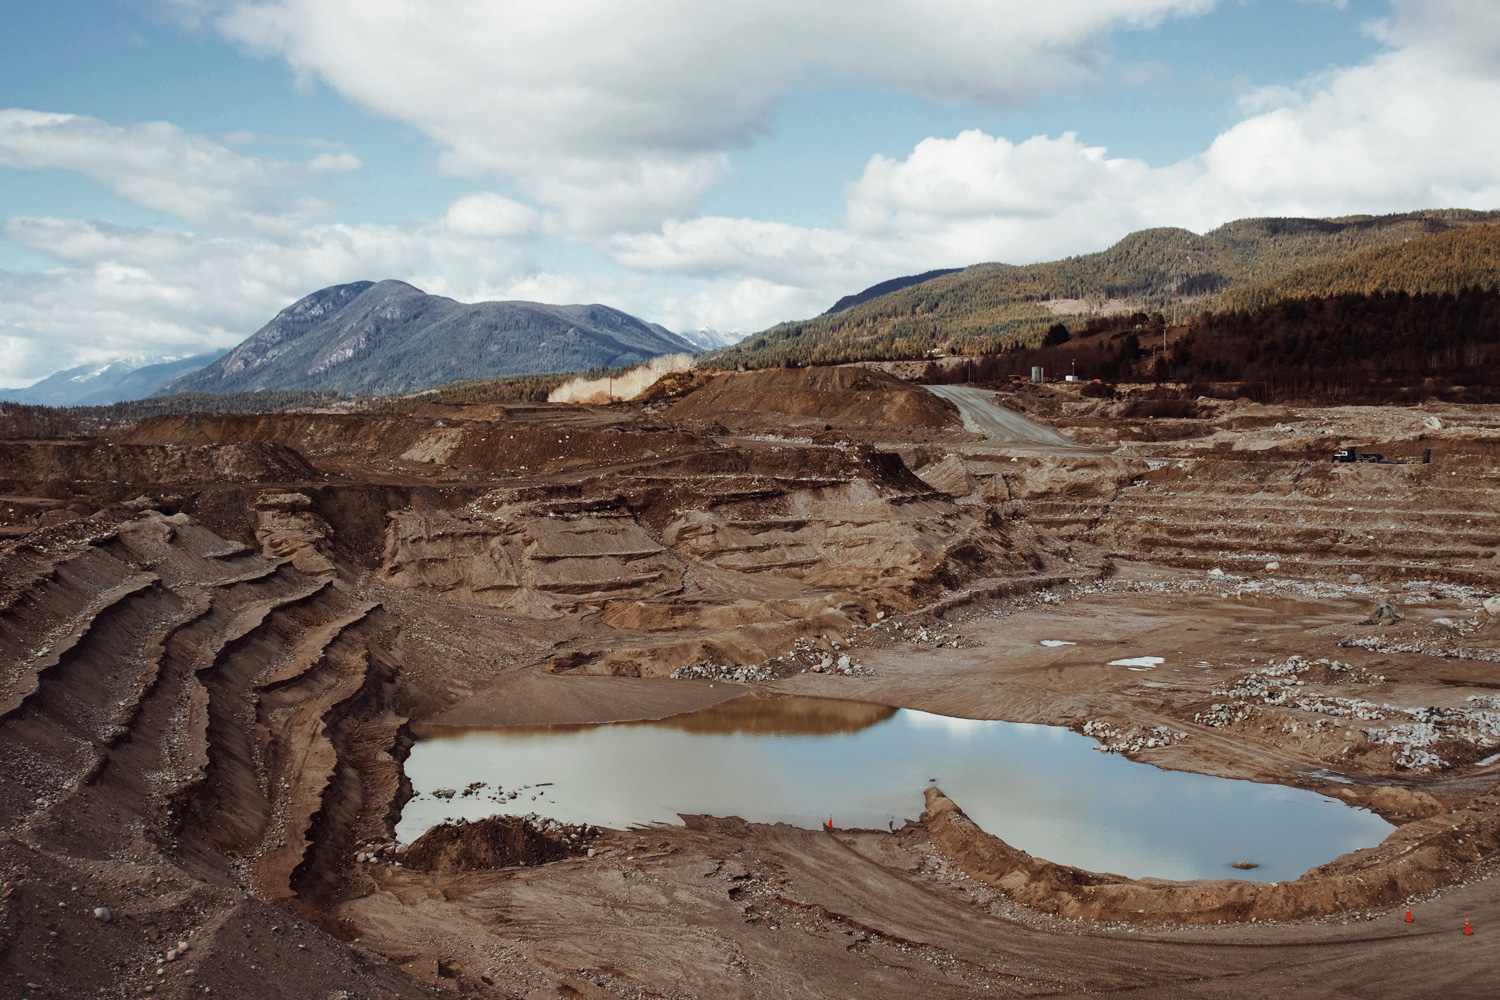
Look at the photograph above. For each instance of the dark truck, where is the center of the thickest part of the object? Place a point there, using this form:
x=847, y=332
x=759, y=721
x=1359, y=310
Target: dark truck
x=1375, y=457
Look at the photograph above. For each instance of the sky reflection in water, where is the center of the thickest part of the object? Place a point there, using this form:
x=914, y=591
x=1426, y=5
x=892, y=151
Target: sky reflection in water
x=796, y=760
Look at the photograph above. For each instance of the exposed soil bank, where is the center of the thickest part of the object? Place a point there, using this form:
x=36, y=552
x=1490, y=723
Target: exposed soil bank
x=535, y=697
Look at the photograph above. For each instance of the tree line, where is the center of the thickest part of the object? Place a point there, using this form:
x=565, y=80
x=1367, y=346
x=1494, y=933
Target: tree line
x=1350, y=346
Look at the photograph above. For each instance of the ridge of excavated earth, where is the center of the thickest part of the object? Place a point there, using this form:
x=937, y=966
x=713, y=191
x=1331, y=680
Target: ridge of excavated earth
x=218, y=632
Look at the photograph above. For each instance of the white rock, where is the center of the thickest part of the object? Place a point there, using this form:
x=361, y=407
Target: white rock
x=103, y=913
x=1493, y=606
x=1272, y=567
x=844, y=662
x=1216, y=572
x=879, y=615
x=1356, y=579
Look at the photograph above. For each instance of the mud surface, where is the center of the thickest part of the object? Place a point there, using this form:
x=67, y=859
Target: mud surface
x=216, y=633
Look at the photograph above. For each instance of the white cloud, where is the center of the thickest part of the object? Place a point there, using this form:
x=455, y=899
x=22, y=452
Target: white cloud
x=159, y=166
x=950, y=203
x=712, y=247
x=333, y=163
x=490, y=214
x=978, y=176
x=618, y=113
x=745, y=305
x=1409, y=129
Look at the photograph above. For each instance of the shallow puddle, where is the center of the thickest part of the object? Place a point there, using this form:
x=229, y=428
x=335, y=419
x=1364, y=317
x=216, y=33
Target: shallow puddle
x=772, y=759
x=1138, y=662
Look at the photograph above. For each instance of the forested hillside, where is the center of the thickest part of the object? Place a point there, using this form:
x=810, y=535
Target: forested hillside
x=991, y=307
x=1352, y=347
x=1444, y=262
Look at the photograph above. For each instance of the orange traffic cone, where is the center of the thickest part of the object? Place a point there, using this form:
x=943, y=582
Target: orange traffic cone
x=1408, y=914
x=829, y=827
x=1466, y=926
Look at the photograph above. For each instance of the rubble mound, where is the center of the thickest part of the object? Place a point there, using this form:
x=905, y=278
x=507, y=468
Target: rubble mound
x=495, y=842
x=815, y=399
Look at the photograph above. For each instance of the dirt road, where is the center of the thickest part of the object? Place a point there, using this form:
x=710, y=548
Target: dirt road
x=1003, y=426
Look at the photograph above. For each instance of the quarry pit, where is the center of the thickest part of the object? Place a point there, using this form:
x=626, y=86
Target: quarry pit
x=223, y=637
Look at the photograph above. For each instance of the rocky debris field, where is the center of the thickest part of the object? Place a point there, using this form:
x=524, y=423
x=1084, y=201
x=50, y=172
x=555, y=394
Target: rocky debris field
x=221, y=636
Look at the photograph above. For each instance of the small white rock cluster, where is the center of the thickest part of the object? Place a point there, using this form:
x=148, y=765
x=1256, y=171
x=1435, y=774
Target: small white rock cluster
x=843, y=665
x=1220, y=715
x=1409, y=739
x=1411, y=732
x=576, y=833
x=1476, y=723
x=707, y=670
x=1442, y=648
x=1278, y=683
x=377, y=850
x=811, y=658
x=1134, y=739
x=923, y=636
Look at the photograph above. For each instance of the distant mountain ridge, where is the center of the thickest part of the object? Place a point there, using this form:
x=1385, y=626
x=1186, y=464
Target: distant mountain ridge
x=385, y=337
x=112, y=382
x=986, y=308
x=886, y=287
x=710, y=340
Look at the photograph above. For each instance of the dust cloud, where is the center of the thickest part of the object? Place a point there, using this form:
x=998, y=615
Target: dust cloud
x=627, y=386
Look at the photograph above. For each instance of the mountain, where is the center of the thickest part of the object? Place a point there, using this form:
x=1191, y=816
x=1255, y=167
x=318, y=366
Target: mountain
x=886, y=287
x=711, y=340
x=114, y=382
x=989, y=307
x=384, y=337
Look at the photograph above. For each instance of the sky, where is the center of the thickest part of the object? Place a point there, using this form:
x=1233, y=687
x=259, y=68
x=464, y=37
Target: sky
x=175, y=172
